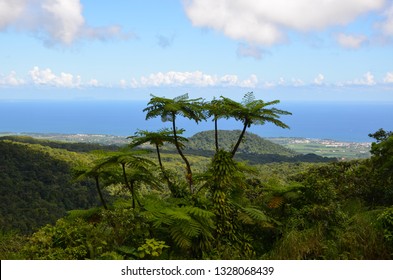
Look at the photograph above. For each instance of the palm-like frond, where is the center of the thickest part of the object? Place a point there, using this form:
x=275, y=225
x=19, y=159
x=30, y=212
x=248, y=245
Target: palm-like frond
x=184, y=224
x=157, y=138
x=167, y=108
x=251, y=215
x=253, y=111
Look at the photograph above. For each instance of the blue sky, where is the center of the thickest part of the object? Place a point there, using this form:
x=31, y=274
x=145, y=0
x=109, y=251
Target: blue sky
x=279, y=49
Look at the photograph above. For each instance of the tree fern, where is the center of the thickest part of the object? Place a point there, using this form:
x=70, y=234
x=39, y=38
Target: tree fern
x=188, y=227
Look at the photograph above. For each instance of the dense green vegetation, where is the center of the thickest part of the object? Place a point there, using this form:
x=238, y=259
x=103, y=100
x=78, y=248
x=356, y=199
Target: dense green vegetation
x=74, y=147
x=252, y=143
x=171, y=204
x=36, y=186
x=254, y=149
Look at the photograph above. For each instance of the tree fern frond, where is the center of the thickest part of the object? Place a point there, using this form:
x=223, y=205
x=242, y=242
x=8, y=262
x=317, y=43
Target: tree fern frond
x=180, y=239
x=255, y=214
x=198, y=212
x=276, y=202
x=245, y=219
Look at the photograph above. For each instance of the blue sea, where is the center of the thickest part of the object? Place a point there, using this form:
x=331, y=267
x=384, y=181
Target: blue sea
x=343, y=121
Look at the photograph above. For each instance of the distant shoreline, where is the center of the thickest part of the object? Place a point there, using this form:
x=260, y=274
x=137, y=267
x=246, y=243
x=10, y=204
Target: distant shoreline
x=321, y=147
x=70, y=136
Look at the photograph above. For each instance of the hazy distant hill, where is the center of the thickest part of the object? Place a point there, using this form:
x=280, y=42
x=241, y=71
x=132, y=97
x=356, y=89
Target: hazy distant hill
x=254, y=149
x=51, y=141
x=252, y=143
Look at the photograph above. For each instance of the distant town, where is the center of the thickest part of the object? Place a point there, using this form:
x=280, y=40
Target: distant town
x=325, y=147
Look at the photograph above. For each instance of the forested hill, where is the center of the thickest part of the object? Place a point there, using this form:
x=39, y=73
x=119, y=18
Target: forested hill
x=253, y=149
x=36, y=185
x=252, y=144
x=59, y=144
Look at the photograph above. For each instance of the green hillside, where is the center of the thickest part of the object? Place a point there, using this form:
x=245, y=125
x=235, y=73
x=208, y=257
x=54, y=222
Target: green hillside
x=252, y=144
x=280, y=210
x=254, y=149
x=36, y=185
x=74, y=146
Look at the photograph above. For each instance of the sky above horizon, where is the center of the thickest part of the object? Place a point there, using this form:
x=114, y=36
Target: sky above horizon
x=289, y=50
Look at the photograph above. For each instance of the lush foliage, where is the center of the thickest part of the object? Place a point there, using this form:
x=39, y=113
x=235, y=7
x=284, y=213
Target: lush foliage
x=173, y=205
x=36, y=186
x=252, y=143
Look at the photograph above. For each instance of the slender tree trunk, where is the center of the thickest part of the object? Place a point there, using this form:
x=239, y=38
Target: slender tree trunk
x=216, y=133
x=100, y=193
x=170, y=186
x=159, y=157
x=239, y=140
x=127, y=184
x=132, y=194
x=123, y=165
x=188, y=166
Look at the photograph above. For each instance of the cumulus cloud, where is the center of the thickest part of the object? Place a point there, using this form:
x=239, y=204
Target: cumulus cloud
x=123, y=83
x=47, y=77
x=281, y=81
x=296, y=82
x=54, y=21
x=351, y=41
x=388, y=78
x=196, y=78
x=10, y=12
x=387, y=25
x=93, y=83
x=249, y=83
x=266, y=22
x=269, y=84
x=173, y=78
x=319, y=79
x=367, y=80
x=11, y=80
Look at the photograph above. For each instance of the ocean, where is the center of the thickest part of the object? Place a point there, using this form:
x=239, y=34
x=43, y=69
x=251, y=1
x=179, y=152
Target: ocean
x=343, y=121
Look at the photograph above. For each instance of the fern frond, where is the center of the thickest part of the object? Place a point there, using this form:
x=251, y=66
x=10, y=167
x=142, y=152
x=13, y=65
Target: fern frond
x=245, y=219
x=276, y=202
x=255, y=214
x=198, y=212
x=181, y=240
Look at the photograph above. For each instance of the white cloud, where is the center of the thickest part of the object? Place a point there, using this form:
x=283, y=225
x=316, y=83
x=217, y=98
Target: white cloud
x=173, y=78
x=265, y=22
x=47, y=77
x=319, y=79
x=93, y=83
x=11, y=80
x=65, y=18
x=10, y=12
x=367, y=80
x=281, y=81
x=196, y=78
x=351, y=41
x=388, y=78
x=298, y=82
x=250, y=83
x=54, y=21
x=387, y=25
x=269, y=84
x=229, y=80
x=123, y=83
